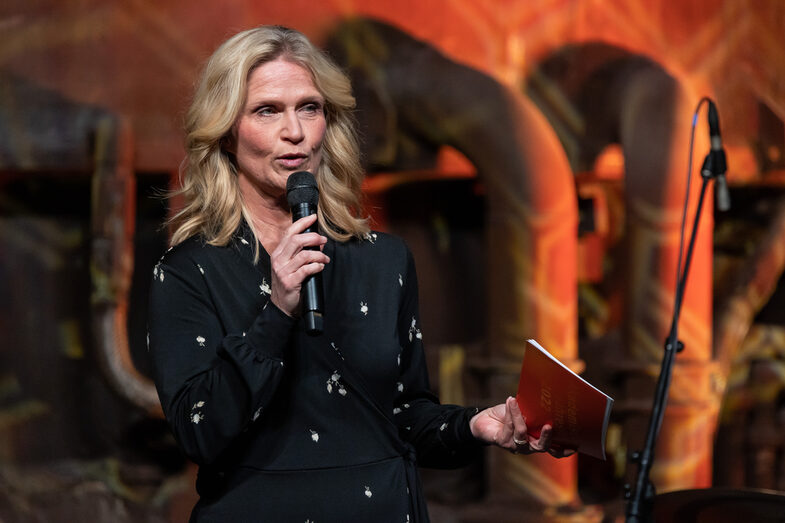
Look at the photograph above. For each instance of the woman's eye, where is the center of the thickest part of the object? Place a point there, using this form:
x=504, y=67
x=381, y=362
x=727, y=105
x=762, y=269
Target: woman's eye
x=312, y=107
x=265, y=111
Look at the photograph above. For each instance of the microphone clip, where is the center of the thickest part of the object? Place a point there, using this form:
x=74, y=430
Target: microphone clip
x=715, y=164
x=714, y=167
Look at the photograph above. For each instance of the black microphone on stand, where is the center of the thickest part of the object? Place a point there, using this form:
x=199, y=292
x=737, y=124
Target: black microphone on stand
x=715, y=165
x=302, y=193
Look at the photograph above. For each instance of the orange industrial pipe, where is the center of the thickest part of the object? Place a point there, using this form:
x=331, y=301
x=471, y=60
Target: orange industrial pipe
x=655, y=138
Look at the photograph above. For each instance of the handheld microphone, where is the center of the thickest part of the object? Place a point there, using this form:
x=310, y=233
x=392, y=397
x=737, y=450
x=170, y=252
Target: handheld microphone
x=302, y=194
x=715, y=163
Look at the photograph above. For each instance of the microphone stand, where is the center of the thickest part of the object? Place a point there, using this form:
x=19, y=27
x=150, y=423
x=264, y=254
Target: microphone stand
x=640, y=500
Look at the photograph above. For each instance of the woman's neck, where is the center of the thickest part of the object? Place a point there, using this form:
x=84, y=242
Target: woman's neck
x=269, y=217
x=269, y=229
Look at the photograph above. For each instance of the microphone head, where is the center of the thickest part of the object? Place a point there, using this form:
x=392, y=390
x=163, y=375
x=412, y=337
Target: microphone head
x=714, y=120
x=301, y=187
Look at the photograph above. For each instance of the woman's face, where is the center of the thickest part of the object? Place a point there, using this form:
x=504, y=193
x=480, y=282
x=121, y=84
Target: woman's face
x=280, y=129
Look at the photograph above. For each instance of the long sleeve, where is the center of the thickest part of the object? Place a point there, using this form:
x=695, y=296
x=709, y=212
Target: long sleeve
x=439, y=433
x=212, y=383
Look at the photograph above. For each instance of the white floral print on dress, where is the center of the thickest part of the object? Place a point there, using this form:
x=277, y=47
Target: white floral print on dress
x=400, y=280
x=334, y=382
x=414, y=332
x=314, y=436
x=244, y=241
x=371, y=237
x=400, y=386
x=364, y=308
x=200, y=268
x=337, y=350
x=200, y=340
x=368, y=492
x=265, y=287
x=196, y=417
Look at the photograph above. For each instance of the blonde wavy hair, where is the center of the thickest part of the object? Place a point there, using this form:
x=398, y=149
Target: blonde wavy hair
x=213, y=205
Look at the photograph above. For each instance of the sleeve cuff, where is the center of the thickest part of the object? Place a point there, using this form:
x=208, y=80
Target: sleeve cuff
x=461, y=437
x=258, y=355
x=270, y=332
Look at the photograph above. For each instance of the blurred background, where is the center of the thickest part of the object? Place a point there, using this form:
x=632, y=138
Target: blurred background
x=532, y=154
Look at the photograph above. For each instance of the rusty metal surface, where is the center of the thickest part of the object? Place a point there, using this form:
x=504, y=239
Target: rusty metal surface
x=137, y=60
x=749, y=291
x=112, y=261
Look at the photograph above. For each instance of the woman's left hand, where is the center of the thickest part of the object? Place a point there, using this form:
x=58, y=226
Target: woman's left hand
x=504, y=426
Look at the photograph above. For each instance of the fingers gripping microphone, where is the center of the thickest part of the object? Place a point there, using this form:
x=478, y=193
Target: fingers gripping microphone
x=302, y=193
x=715, y=163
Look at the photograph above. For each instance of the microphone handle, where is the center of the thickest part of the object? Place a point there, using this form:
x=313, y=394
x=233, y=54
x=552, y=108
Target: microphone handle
x=311, y=293
x=714, y=166
x=722, y=195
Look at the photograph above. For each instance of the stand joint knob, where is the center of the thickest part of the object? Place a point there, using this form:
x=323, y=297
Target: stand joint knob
x=679, y=346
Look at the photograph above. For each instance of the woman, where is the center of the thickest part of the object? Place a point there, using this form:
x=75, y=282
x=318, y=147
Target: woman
x=287, y=426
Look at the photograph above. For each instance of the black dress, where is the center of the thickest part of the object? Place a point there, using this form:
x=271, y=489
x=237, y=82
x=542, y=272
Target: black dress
x=291, y=427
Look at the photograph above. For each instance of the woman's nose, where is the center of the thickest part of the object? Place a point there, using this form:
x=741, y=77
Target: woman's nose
x=292, y=127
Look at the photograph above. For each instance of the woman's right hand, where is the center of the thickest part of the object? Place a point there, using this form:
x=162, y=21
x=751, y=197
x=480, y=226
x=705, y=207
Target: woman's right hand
x=292, y=263
x=504, y=425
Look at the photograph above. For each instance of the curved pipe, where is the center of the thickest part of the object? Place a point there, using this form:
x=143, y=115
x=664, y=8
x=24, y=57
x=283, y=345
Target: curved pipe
x=655, y=127
x=113, y=210
x=87, y=137
x=531, y=225
x=633, y=101
x=751, y=289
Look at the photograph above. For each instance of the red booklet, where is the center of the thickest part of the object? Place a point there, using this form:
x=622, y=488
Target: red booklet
x=550, y=393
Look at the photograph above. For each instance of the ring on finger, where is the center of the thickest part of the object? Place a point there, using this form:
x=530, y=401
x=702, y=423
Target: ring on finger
x=518, y=442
